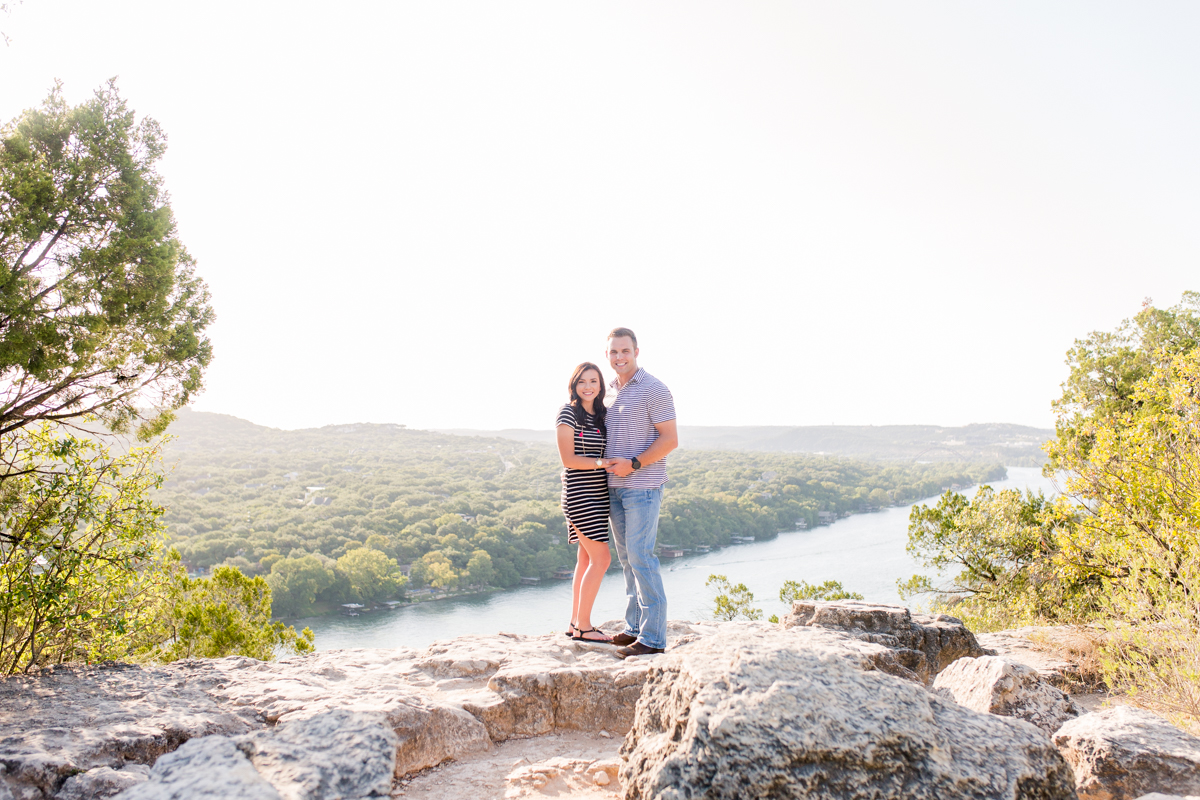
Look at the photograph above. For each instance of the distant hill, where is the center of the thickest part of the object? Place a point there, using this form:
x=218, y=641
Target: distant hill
x=1013, y=445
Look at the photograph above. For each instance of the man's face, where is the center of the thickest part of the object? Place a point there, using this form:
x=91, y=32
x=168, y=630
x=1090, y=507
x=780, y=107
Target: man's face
x=622, y=355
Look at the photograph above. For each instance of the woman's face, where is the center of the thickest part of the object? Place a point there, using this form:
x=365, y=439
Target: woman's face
x=588, y=385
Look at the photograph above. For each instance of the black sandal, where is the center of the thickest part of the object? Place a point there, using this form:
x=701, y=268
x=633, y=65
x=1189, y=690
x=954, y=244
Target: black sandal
x=582, y=638
x=571, y=633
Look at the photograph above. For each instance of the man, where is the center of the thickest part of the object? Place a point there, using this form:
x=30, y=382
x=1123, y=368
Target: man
x=641, y=432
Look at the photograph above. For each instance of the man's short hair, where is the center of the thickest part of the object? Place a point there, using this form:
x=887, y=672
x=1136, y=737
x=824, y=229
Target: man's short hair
x=616, y=333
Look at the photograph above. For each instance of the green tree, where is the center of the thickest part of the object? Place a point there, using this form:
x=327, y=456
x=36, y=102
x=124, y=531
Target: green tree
x=479, y=568
x=731, y=601
x=100, y=309
x=828, y=591
x=82, y=570
x=296, y=582
x=1004, y=555
x=1106, y=368
x=437, y=570
x=229, y=614
x=1137, y=487
x=371, y=575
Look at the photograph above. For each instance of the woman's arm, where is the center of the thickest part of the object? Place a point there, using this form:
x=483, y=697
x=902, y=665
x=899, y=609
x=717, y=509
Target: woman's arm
x=566, y=450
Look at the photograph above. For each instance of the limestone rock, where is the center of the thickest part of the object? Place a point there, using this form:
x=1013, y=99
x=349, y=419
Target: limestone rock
x=801, y=713
x=560, y=776
x=335, y=754
x=208, y=768
x=925, y=645
x=102, y=782
x=1044, y=648
x=994, y=685
x=5, y=792
x=71, y=720
x=1124, y=752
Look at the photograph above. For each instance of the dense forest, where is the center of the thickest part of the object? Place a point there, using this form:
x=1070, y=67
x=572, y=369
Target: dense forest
x=462, y=510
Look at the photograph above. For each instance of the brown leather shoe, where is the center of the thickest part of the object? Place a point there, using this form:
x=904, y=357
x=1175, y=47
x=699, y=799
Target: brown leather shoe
x=638, y=649
x=623, y=639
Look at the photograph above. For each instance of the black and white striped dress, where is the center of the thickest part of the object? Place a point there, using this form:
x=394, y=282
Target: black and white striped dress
x=585, y=491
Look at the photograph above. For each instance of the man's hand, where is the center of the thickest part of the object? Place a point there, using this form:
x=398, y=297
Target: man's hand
x=620, y=467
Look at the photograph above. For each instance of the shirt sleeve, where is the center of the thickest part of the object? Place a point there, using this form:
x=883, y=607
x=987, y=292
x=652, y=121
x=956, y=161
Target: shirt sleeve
x=566, y=416
x=661, y=405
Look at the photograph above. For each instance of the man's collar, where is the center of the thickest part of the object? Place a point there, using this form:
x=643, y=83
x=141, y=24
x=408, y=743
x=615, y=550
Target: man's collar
x=637, y=376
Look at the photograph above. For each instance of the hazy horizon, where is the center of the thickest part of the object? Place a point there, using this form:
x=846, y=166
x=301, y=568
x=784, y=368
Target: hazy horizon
x=548, y=428
x=428, y=213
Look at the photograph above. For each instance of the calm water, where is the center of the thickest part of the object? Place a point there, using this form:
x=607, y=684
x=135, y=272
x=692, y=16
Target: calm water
x=865, y=552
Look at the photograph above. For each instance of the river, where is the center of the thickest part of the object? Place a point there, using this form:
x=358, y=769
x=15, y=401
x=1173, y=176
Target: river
x=865, y=552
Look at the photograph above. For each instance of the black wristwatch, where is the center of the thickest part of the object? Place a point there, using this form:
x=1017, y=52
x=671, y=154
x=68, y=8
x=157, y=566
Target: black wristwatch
x=636, y=464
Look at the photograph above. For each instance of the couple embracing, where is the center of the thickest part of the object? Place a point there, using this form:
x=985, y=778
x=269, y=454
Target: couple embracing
x=614, y=467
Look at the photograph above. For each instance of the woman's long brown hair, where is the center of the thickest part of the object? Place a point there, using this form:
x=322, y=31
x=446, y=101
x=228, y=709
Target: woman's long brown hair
x=598, y=408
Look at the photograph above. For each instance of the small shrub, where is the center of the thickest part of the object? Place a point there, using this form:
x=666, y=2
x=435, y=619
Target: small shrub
x=732, y=601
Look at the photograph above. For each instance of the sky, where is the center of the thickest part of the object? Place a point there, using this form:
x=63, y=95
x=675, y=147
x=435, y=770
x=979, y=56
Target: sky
x=858, y=213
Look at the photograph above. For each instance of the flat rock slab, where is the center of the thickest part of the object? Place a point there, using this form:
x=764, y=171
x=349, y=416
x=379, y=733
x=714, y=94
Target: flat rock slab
x=1123, y=753
x=67, y=721
x=994, y=685
x=452, y=700
x=804, y=713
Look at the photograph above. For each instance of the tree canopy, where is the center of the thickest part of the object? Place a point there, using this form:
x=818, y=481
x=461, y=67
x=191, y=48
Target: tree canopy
x=1120, y=547
x=101, y=312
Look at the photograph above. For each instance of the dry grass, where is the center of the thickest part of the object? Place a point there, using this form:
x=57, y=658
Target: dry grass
x=1081, y=645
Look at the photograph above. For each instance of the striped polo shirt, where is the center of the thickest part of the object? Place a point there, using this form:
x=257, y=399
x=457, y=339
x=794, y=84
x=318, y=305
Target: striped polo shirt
x=643, y=403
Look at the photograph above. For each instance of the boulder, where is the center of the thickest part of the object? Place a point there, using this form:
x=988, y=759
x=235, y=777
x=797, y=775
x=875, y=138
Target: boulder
x=102, y=782
x=805, y=713
x=925, y=645
x=335, y=754
x=1123, y=753
x=208, y=768
x=994, y=685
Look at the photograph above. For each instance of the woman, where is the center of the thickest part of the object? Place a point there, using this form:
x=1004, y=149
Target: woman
x=581, y=437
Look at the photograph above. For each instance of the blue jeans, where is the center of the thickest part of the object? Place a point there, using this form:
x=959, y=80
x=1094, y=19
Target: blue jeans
x=635, y=528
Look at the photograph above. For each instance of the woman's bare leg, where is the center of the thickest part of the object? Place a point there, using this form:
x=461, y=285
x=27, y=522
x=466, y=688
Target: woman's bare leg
x=598, y=558
x=582, y=562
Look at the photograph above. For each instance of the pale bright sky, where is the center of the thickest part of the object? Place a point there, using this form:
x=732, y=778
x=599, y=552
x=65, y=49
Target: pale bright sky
x=859, y=213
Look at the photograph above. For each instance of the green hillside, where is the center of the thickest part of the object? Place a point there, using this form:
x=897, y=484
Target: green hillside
x=252, y=496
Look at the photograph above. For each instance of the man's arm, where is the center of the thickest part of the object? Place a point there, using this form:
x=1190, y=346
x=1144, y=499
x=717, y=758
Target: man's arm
x=668, y=440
